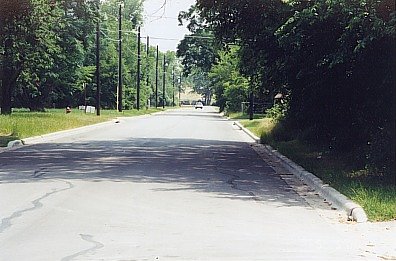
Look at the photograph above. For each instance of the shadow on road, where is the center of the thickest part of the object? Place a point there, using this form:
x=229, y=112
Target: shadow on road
x=224, y=169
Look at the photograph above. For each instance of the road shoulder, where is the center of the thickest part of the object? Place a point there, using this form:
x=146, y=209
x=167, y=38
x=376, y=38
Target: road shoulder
x=337, y=200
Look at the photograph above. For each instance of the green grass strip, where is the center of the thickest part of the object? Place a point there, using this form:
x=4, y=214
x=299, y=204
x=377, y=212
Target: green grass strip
x=375, y=195
x=22, y=123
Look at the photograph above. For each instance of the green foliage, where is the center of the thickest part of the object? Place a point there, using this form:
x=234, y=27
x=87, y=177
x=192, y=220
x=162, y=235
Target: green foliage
x=378, y=201
x=198, y=50
x=45, y=48
x=48, y=54
x=342, y=78
x=230, y=87
x=23, y=123
x=374, y=193
x=200, y=81
x=251, y=25
x=13, y=24
x=277, y=112
x=235, y=94
x=335, y=59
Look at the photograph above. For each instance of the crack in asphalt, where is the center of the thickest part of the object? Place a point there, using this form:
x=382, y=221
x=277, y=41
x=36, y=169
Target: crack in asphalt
x=7, y=222
x=38, y=173
x=233, y=178
x=231, y=181
x=89, y=239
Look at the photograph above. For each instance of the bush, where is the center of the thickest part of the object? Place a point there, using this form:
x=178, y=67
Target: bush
x=381, y=152
x=234, y=96
x=276, y=112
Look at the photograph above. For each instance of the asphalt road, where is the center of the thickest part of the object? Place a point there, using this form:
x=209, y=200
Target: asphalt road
x=180, y=185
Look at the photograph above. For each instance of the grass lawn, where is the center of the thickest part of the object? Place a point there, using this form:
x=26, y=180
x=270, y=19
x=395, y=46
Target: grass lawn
x=22, y=123
x=376, y=196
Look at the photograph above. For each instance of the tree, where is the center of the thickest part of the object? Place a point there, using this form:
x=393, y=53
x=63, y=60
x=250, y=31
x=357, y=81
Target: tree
x=50, y=51
x=199, y=52
x=340, y=62
x=334, y=59
x=74, y=66
x=251, y=25
x=12, y=18
x=230, y=87
x=46, y=46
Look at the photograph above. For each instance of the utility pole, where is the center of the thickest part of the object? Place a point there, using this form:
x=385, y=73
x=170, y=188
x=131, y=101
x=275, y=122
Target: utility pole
x=85, y=96
x=163, y=84
x=119, y=89
x=180, y=84
x=156, y=80
x=148, y=70
x=173, y=86
x=251, y=105
x=97, y=64
x=138, y=73
x=147, y=60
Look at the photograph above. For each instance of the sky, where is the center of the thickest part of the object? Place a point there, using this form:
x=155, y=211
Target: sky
x=160, y=21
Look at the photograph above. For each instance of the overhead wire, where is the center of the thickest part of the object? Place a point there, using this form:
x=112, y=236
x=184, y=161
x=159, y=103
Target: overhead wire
x=163, y=6
x=157, y=38
x=163, y=17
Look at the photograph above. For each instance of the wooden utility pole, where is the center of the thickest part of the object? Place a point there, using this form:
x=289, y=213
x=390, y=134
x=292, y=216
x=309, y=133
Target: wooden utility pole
x=156, y=79
x=138, y=73
x=119, y=89
x=163, y=83
x=98, y=66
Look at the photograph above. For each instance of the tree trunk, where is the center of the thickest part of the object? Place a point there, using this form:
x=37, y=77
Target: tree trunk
x=5, y=97
x=8, y=81
x=37, y=108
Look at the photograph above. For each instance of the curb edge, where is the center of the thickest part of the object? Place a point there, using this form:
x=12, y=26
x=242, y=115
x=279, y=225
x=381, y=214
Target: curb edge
x=352, y=209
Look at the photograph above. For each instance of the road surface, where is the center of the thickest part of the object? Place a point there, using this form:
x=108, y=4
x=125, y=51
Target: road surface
x=180, y=185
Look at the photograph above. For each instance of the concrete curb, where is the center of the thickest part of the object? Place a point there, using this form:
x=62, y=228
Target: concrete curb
x=353, y=210
x=12, y=145
x=15, y=144
x=64, y=133
x=248, y=132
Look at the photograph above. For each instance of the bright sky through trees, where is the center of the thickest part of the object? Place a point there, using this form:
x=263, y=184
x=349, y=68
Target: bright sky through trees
x=160, y=21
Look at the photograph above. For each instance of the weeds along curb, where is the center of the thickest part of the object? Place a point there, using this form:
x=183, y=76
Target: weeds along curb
x=12, y=145
x=15, y=144
x=353, y=210
x=248, y=132
x=63, y=133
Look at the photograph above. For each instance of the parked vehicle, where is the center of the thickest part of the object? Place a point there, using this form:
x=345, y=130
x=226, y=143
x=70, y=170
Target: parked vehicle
x=199, y=105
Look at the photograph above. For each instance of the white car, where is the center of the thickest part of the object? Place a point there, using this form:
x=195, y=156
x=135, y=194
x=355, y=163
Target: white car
x=199, y=105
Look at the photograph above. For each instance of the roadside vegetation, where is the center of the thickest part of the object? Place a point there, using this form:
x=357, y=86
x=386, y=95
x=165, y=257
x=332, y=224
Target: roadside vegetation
x=324, y=74
x=47, y=56
x=23, y=123
x=327, y=66
x=373, y=191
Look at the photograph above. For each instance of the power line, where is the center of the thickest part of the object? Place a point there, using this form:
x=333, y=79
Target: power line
x=153, y=37
x=163, y=6
x=165, y=17
x=158, y=38
x=186, y=36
